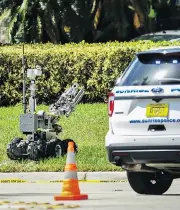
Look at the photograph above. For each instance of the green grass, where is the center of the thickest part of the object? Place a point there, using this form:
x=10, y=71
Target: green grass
x=87, y=126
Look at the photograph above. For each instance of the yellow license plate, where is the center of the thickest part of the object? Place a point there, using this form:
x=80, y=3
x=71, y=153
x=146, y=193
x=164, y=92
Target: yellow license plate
x=157, y=110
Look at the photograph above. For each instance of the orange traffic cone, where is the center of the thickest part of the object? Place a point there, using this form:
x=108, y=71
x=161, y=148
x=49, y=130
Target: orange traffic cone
x=70, y=190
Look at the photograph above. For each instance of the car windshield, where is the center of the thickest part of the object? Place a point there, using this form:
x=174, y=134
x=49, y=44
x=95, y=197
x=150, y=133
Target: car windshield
x=157, y=37
x=152, y=69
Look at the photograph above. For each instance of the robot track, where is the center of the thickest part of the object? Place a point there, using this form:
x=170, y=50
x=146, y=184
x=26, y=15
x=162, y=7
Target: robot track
x=19, y=149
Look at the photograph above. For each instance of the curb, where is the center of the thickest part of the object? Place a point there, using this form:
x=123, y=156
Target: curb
x=57, y=176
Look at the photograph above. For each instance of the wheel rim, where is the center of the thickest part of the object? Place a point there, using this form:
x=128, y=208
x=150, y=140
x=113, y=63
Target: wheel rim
x=154, y=179
x=58, y=151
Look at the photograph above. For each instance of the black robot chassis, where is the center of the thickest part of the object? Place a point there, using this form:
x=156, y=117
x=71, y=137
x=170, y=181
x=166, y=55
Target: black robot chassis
x=19, y=149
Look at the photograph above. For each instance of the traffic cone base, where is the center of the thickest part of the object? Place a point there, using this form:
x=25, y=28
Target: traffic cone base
x=70, y=197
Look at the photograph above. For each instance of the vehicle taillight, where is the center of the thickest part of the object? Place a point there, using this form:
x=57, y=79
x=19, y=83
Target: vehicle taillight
x=110, y=103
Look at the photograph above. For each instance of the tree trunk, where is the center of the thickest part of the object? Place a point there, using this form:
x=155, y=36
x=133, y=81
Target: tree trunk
x=140, y=7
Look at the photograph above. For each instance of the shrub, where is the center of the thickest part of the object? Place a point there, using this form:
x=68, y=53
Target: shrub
x=94, y=66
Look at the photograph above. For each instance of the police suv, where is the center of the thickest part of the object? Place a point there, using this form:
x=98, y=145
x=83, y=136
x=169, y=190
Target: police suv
x=144, y=121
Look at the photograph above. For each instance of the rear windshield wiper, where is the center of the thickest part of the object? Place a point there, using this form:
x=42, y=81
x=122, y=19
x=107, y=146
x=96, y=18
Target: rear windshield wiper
x=169, y=80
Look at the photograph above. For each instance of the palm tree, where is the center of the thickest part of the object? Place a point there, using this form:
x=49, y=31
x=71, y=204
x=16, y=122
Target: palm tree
x=48, y=20
x=78, y=20
x=114, y=21
x=141, y=9
x=148, y=14
x=32, y=21
x=61, y=21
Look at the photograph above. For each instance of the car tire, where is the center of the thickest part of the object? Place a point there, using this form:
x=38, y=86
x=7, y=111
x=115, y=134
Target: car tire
x=149, y=183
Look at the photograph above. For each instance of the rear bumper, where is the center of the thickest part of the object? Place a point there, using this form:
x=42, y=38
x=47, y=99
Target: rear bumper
x=143, y=149
x=118, y=154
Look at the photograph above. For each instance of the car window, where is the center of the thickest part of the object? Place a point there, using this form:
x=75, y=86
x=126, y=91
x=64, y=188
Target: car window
x=150, y=69
x=157, y=37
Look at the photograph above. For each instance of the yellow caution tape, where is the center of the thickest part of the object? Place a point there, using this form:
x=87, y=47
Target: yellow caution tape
x=11, y=181
x=23, y=205
x=85, y=181
x=18, y=203
x=4, y=202
x=72, y=206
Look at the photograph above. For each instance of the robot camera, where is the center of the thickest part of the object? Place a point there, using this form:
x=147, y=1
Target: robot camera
x=32, y=73
x=75, y=85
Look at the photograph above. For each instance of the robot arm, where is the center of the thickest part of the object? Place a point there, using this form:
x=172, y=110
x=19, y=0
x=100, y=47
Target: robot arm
x=67, y=101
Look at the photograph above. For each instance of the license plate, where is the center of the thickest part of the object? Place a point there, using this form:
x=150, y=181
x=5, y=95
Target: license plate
x=157, y=110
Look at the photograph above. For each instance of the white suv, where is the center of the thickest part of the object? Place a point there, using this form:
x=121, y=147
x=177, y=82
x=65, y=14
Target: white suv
x=144, y=121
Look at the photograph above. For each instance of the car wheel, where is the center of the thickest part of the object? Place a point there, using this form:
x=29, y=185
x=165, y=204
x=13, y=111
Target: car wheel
x=149, y=183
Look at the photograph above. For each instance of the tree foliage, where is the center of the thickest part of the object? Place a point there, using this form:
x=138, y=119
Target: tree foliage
x=62, y=21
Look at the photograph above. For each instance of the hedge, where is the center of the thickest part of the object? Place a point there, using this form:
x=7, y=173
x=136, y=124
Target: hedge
x=94, y=66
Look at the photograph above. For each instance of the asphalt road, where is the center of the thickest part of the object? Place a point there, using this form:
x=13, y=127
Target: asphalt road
x=103, y=196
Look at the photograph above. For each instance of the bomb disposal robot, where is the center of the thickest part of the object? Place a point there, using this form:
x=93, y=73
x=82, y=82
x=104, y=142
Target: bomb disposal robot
x=42, y=128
